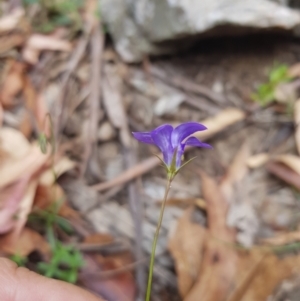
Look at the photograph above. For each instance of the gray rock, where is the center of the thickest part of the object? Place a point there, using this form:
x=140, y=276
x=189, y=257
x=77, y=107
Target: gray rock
x=141, y=27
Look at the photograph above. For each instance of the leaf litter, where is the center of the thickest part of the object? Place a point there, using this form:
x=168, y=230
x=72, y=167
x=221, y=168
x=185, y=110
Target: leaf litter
x=223, y=236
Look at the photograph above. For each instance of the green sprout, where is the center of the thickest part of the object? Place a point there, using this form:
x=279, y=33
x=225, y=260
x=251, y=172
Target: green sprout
x=64, y=264
x=66, y=260
x=56, y=13
x=19, y=260
x=266, y=92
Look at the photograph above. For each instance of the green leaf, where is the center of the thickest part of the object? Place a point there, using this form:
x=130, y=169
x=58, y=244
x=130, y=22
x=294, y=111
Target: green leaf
x=30, y=2
x=279, y=74
x=266, y=92
x=19, y=260
x=42, y=140
x=183, y=165
x=64, y=224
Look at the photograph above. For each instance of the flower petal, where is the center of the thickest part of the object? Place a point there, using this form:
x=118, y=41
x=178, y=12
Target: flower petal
x=144, y=137
x=184, y=130
x=162, y=138
x=180, y=151
x=193, y=141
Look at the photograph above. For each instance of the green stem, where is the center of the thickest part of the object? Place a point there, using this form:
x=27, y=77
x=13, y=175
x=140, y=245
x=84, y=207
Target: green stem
x=155, y=240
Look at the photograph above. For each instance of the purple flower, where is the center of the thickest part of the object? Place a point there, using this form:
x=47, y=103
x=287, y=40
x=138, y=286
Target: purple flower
x=173, y=141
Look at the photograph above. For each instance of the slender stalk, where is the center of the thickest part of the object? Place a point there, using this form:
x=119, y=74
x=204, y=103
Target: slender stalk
x=148, y=294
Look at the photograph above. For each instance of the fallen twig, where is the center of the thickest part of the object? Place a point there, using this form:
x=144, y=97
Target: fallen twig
x=97, y=42
x=186, y=85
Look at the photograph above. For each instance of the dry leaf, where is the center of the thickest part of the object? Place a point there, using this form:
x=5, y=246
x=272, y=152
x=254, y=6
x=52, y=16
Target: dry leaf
x=119, y=286
x=292, y=161
x=257, y=268
x=45, y=196
x=241, y=214
x=248, y=266
x=38, y=42
x=21, y=157
x=27, y=242
x=98, y=238
x=112, y=99
x=186, y=247
x=12, y=170
x=69, y=213
x=13, y=143
x=219, y=122
x=185, y=202
x=1, y=115
x=235, y=173
x=286, y=93
x=10, y=21
x=24, y=207
x=258, y=160
x=36, y=105
x=282, y=239
x=284, y=173
x=217, y=208
x=13, y=84
x=49, y=176
x=297, y=123
x=218, y=269
x=294, y=70
x=30, y=97
x=10, y=198
x=41, y=111
x=25, y=125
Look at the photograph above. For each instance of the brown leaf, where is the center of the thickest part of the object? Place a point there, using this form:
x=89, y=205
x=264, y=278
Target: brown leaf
x=184, y=203
x=258, y=160
x=45, y=196
x=25, y=125
x=257, y=268
x=291, y=161
x=24, y=207
x=217, y=208
x=13, y=84
x=186, y=246
x=13, y=143
x=10, y=21
x=38, y=42
x=282, y=238
x=112, y=99
x=294, y=70
x=27, y=242
x=297, y=123
x=1, y=115
x=10, y=198
x=286, y=93
x=219, y=122
x=284, y=173
x=236, y=172
x=119, y=286
x=98, y=238
x=218, y=269
x=12, y=170
x=11, y=41
x=248, y=267
x=49, y=176
x=40, y=112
